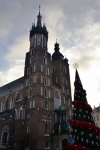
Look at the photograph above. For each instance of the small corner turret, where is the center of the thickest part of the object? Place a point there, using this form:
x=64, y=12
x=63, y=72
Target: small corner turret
x=57, y=55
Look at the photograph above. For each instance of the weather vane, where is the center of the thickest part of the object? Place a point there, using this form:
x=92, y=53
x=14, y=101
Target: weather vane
x=75, y=65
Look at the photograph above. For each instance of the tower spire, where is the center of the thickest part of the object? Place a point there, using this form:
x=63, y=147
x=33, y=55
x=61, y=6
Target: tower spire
x=39, y=17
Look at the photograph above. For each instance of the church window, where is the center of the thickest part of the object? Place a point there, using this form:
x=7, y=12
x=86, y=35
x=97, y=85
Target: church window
x=45, y=81
x=46, y=105
x=44, y=42
x=34, y=79
x=63, y=89
x=41, y=68
x=41, y=79
x=49, y=94
x=11, y=103
x=44, y=60
x=34, y=68
x=30, y=92
x=30, y=104
x=28, y=129
x=53, y=69
x=4, y=135
x=41, y=91
x=67, y=92
x=38, y=39
x=64, y=69
x=17, y=113
x=4, y=138
x=30, y=80
x=44, y=52
x=31, y=70
x=48, y=71
x=2, y=106
x=48, y=82
x=57, y=99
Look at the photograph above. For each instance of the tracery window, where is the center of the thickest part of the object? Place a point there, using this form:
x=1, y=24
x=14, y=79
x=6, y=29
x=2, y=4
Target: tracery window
x=57, y=99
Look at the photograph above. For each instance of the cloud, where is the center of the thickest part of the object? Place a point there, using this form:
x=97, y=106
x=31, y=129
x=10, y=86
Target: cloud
x=76, y=26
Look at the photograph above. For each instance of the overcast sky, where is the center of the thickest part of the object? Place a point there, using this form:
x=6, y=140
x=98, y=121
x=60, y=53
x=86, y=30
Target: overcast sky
x=74, y=23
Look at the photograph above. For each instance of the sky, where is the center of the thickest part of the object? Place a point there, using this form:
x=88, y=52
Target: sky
x=74, y=23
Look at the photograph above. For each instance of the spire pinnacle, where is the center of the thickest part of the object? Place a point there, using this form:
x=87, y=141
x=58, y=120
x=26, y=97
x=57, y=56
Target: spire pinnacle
x=39, y=17
x=39, y=9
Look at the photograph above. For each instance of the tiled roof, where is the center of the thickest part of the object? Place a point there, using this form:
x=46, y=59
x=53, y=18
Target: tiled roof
x=12, y=87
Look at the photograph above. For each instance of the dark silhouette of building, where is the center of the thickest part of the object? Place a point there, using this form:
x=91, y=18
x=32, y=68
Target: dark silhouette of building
x=34, y=108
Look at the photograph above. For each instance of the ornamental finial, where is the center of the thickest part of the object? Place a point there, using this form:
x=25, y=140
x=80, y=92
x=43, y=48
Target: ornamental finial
x=75, y=65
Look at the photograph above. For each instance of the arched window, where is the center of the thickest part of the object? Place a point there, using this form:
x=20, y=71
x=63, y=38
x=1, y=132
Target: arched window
x=38, y=39
x=30, y=80
x=45, y=92
x=30, y=92
x=4, y=135
x=57, y=99
x=11, y=103
x=2, y=106
x=53, y=69
x=46, y=105
x=45, y=81
x=44, y=60
x=4, y=138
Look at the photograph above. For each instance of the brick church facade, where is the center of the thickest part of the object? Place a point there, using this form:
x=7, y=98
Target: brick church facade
x=34, y=108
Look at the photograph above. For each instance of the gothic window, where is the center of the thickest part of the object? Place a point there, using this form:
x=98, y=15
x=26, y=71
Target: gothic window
x=44, y=41
x=34, y=68
x=41, y=68
x=38, y=39
x=46, y=105
x=41, y=79
x=44, y=60
x=53, y=69
x=17, y=113
x=48, y=82
x=30, y=80
x=2, y=106
x=41, y=91
x=22, y=113
x=11, y=103
x=32, y=104
x=45, y=81
x=64, y=69
x=30, y=92
x=44, y=52
x=57, y=99
x=56, y=80
x=48, y=71
x=34, y=79
x=49, y=94
x=4, y=138
x=31, y=70
x=45, y=92
x=4, y=135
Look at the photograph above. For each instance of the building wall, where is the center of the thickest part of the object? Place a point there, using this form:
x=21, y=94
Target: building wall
x=27, y=104
x=96, y=115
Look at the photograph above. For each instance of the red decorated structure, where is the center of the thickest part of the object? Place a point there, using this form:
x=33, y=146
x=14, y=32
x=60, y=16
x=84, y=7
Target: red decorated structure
x=84, y=133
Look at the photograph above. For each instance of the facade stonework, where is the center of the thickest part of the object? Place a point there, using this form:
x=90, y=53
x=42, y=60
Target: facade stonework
x=34, y=107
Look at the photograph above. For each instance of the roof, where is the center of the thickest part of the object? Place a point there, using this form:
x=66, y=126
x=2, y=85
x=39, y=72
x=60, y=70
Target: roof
x=12, y=86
